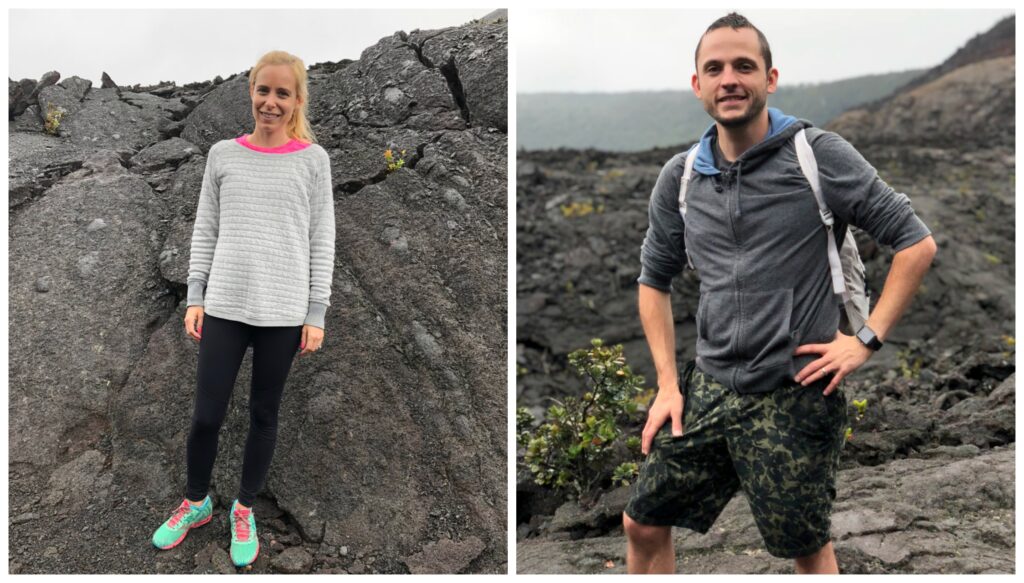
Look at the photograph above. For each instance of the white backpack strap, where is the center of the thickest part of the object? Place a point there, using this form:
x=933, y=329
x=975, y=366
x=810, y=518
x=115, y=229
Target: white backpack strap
x=691, y=157
x=809, y=166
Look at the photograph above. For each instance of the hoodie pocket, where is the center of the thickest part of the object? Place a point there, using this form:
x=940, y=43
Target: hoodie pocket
x=717, y=318
x=750, y=329
x=765, y=339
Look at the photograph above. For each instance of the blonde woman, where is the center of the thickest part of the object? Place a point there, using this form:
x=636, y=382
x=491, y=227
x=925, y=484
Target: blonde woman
x=260, y=273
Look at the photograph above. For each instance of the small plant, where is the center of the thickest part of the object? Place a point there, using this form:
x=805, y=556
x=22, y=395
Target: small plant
x=993, y=259
x=625, y=473
x=389, y=158
x=581, y=209
x=572, y=448
x=524, y=420
x=862, y=407
x=909, y=369
x=53, y=116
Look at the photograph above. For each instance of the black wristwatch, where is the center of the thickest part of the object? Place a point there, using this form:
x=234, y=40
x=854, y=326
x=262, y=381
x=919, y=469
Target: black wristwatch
x=867, y=337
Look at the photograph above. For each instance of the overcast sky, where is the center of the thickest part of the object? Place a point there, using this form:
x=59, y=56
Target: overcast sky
x=149, y=46
x=619, y=50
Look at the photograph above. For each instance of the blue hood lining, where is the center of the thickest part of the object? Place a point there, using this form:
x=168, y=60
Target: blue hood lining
x=705, y=162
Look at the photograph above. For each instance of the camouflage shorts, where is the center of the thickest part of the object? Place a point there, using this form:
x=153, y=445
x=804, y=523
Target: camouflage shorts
x=781, y=447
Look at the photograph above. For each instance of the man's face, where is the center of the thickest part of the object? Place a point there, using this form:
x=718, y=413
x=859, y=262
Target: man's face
x=731, y=80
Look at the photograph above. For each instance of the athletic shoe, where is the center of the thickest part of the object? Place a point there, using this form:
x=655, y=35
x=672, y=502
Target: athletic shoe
x=245, y=545
x=185, y=518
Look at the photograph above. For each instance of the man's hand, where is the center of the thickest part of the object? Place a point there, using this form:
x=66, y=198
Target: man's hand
x=668, y=403
x=840, y=357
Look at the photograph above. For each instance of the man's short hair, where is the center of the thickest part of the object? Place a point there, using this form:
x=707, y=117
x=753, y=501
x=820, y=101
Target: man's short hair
x=737, y=21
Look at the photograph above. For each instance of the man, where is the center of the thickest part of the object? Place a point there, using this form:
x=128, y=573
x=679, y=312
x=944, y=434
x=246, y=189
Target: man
x=762, y=410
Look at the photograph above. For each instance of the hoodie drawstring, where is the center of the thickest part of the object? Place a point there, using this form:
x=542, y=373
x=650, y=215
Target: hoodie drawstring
x=739, y=174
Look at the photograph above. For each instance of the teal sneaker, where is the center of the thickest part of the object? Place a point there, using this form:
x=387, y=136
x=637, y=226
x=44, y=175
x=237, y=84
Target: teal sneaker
x=185, y=518
x=245, y=545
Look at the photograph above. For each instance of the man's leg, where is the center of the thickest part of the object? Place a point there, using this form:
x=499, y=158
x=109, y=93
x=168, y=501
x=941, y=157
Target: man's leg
x=786, y=448
x=821, y=562
x=648, y=548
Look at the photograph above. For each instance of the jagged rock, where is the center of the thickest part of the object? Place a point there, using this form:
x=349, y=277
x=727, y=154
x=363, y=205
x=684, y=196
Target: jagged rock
x=477, y=80
x=607, y=511
x=100, y=362
x=445, y=556
x=224, y=111
x=214, y=559
x=168, y=154
x=108, y=83
x=18, y=94
x=389, y=85
x=940, y=515
x=77, y=483
x=84, y=336
x=293, y=560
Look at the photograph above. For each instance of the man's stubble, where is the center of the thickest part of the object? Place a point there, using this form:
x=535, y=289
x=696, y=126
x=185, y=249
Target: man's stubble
x=757, y=104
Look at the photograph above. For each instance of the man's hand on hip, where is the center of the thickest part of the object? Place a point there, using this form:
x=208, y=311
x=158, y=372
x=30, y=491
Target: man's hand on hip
x=839, y=358
x=668, y=403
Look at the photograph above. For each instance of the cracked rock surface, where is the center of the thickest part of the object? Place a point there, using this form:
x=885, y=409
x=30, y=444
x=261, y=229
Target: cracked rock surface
x=391, y=443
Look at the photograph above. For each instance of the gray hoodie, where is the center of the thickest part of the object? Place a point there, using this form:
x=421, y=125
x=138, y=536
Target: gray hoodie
x=758, y=244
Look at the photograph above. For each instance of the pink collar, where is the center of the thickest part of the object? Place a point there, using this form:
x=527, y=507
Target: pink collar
x=293, y=145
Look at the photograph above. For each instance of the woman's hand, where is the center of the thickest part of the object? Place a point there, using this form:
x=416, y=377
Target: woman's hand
x=312, y=338
x=194, y=322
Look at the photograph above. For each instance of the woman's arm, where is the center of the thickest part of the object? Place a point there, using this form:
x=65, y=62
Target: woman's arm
x=204, y=233
x=321, y=245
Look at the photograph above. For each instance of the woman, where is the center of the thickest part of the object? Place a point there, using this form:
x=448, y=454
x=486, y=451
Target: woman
x=266, y=206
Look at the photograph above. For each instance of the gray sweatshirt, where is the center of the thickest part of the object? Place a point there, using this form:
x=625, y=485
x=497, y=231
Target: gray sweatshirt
x=263, y=241
x=759, y=247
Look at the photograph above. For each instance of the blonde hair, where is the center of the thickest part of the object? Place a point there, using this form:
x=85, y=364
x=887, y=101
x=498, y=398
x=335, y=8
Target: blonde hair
x=298, y=127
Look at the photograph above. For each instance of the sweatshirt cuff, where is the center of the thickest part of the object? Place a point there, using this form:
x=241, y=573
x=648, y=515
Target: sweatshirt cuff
x=316, y=314
x=195, y=293
x=649, y=278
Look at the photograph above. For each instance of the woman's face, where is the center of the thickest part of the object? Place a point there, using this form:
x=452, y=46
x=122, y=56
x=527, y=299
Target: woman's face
x=274, y=93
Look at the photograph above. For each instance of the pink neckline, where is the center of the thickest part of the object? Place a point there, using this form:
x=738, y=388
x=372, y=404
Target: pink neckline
x=293, y=145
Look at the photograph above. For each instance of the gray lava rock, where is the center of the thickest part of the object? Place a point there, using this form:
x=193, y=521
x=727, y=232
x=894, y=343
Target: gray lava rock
x=293, y=560
x=445, y=556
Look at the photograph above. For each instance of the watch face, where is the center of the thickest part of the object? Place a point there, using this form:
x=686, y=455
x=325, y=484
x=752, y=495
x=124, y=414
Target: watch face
x=868, y=338
x=863, y=335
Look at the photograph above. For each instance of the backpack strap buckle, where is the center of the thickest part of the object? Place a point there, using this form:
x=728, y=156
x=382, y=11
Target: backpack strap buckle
x=826, y=216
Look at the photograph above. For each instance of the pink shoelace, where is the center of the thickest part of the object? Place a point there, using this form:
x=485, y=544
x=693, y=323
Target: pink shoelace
x=242, y=523
x=180, y=513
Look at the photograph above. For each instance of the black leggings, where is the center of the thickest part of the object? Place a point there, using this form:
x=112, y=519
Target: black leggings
x=221, y=348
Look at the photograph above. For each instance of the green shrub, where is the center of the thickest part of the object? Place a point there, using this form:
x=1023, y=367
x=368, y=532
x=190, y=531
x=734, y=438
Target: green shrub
x=393, y=163
x=572, y=450
x=53, y=116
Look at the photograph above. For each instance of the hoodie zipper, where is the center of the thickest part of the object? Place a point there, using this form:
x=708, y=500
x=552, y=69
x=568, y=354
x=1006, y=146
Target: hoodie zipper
x=727, y=179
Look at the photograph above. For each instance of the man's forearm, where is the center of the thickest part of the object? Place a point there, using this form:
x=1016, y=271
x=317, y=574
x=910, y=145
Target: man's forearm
x=905, y=274
x=659, y=328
